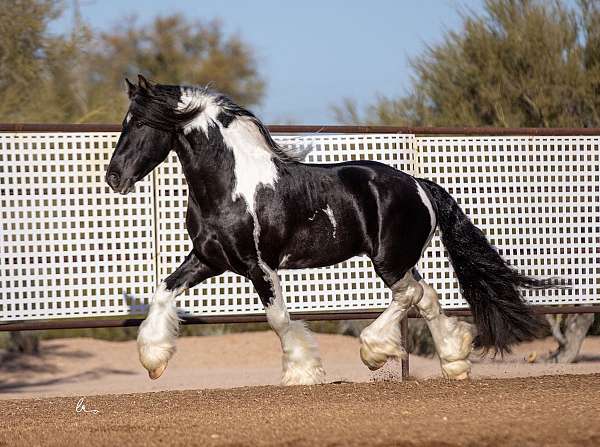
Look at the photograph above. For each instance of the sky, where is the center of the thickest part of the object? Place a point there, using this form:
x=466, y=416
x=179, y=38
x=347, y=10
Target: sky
x=312, y=54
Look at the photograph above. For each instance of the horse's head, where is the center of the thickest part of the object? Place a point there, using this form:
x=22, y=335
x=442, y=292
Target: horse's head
x=161, y=116
x=145, y=141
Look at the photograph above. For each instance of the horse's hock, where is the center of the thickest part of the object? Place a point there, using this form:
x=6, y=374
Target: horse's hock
x=71, y=248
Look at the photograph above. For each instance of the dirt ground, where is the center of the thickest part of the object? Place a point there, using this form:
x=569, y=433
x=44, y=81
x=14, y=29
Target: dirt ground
x=228, y=404
x=534, y=411
x=87, y=367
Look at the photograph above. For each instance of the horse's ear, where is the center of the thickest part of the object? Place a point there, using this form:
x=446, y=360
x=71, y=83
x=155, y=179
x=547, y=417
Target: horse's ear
x=131, y=88
x=144, y=84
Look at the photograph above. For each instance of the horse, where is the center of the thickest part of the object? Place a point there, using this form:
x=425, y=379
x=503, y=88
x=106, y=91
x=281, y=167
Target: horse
x=254, y=207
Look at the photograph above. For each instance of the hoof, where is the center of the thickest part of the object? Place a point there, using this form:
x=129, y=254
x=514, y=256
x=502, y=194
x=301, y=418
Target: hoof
x=156, y=373
x=294, y=375
x=458, y=370
x=375, y=354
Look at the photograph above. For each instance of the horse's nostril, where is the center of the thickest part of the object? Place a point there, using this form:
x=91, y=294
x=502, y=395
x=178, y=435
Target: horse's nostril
x=113, y=178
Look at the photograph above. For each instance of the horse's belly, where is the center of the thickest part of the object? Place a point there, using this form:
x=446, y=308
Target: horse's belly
x=320, y=247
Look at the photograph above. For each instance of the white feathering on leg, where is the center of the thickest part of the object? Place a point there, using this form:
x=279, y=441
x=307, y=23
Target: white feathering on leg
x=452, y=338
x=381, y=341
x=301, y=360
x=158, y=332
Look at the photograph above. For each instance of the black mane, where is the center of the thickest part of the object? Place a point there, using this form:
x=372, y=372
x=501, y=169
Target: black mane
x=157, y=107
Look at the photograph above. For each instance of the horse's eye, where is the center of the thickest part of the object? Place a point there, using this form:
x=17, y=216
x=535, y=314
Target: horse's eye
x=139, y=124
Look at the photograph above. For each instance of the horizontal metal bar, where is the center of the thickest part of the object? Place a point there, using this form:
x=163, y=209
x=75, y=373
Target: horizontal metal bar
x=259, y=318
x=279, y=128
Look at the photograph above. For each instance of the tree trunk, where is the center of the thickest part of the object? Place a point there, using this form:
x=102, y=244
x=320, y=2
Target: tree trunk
x=569, y=338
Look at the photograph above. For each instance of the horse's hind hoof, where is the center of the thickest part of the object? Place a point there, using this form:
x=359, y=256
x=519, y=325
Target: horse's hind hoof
x=156, y=373
x=375, y=355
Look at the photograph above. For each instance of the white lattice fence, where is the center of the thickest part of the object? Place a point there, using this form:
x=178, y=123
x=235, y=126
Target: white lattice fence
x=536, y=198
x=70, y=247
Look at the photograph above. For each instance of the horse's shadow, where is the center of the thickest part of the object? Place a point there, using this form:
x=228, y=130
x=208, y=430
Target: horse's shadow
x=41, y=362
x=22, y=386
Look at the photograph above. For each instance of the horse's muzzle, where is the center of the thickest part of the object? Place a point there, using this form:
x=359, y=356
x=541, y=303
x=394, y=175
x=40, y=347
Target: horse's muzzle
x=122, y=186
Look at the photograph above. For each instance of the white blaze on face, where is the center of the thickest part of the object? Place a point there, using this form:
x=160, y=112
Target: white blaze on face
x=128, y=118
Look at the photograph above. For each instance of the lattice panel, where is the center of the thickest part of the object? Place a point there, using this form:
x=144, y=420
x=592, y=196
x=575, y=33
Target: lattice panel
x=537, y=200
x=350, y=285
x=69, y=247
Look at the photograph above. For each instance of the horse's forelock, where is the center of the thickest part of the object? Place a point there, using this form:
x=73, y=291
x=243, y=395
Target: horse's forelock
x=158, y=107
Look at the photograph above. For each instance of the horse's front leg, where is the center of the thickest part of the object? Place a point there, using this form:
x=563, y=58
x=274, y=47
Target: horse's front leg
x=158, y=332
x=301, y=360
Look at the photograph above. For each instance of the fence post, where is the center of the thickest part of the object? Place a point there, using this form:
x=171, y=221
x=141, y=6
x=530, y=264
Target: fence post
x=405, y=363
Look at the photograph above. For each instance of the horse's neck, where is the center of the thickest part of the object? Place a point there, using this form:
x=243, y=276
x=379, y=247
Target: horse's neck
x=208, y=170
x=220, y=165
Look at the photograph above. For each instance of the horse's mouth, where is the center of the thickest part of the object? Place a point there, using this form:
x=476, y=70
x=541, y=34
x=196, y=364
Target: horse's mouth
x=126, y=191
x=125, y=188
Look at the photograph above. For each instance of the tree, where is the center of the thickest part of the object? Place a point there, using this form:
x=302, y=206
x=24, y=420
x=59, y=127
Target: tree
x=522, y=63
x=79, y=77
x=23, y=54
x=171, y=50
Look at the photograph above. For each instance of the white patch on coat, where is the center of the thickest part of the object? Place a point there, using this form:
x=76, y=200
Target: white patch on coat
x=284, y=261
x=425, y=199
x=197, y=99
x=329, y=213
x=254, y=164
x=253, y=161
x=127, y=117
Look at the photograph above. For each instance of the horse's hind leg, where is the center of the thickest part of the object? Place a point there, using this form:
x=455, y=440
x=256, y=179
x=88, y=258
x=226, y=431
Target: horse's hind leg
x=301, y=360
x=158, y=332
x=380, y=340
x=452, y=338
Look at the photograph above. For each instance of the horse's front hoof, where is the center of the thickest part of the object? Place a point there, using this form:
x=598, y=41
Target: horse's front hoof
x=309, y=374
x=156, y=373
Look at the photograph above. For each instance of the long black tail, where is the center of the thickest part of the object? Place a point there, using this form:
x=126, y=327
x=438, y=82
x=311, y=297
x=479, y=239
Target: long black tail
x=487, y=282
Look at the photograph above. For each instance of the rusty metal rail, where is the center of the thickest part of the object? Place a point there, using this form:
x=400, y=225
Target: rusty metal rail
x=279, y=128
x=88, y=323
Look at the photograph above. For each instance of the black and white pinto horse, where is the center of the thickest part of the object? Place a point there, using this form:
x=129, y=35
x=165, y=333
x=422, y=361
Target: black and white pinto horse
x=254, y=208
